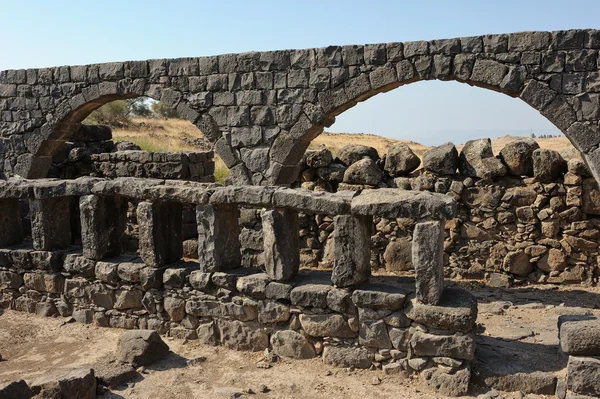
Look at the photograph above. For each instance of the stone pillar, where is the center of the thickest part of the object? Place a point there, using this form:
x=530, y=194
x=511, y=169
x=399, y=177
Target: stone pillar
x=50, y=223
x=281, y=243
x=102, y=225
x=11, y=232
x=352, y=250
x=218, y=237
x=428, y=260
x=159, y=224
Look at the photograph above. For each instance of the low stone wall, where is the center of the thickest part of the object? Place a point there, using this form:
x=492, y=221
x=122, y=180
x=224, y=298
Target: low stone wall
x=348, y=318
x=524, y=216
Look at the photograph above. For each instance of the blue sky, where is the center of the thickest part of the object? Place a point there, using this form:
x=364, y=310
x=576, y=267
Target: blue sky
x=49, y=33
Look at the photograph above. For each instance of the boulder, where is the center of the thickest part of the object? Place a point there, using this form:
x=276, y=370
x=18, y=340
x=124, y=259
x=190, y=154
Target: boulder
x=578, y=167
x=516, y=155
x=517, y=263
x=583, y=375
x=332, y=173
x=548, y=165
x=352, y=153
x=113, y=374
x=401, y=160
x=141, y=347
x=77, y=383
x=319, y=158
x=364, y=171
x=581, y=337
x=553, y=260
x=15, y=390
x=456, y=311
x=449, y=383
x=590, y=196
x=477, y=160
x=442, y=160
x=398, y=255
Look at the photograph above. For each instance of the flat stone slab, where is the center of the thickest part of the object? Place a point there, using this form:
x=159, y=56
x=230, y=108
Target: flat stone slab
x=246, y=195
x=581, y=337
x=457, y=311
x=379, y=296
x=46, y=188
x=397, y=203
x=181, y=191
x=131, y=187
x=318, y=202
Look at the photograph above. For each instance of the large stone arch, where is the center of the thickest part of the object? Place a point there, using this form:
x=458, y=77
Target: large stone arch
x=262, y=109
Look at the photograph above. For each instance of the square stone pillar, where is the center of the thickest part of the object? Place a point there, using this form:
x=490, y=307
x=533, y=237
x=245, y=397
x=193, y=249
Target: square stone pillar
x=428, y=260
x=218, y=237
x=159, y=225
x=50, y=223
x=11, y=232
x=102, y=225
x=352, y=250
x=281, y=243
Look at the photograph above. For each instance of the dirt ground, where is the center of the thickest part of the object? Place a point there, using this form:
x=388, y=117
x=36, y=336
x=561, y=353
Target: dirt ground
x=517, y=333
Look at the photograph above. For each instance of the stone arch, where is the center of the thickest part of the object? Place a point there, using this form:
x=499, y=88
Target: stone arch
x=46, y=141
x=552, y=94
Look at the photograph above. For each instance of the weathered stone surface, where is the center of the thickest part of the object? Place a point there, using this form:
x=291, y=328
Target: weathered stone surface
x=401, y=160
x=218, y=237
x=398, y=255
x=77, y=383
x=113, y=374
x=313, y=295
x=50, y=223
x=517, y=156
x=314, y=201
x=374, y=334
x=591, y=197
x=326, y=325
x=396, y=203
x=441, y=160
x=15, y=390
x=455, y=383
x=352, y=153
x=458, y=346
x=477, y=160
x=289, y=343
x=580, y=338
x=102, y=225
x=548, y=165
x=517, y=262
x=254, y=285
x=379, y=296
x=319, y=158
x=160, y=232
x=352, y=243
x=364, y=171
x=281, y=243
x=242, y=336
x=428, y=261
x=342, y=356
x=456, y=311
x=141, y=348
x=583, y=375
x=12, y=228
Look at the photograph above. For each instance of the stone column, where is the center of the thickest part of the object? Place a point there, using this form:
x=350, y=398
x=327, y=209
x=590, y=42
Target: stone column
x=352, y=250
x=159, y=224
x=11, y=232
x=218, y=237
x=50, y=223
x=428, y=260
x=102, y=225
x=281, y=243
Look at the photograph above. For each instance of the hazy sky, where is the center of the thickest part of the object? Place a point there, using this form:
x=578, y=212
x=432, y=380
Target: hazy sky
x=50, y=33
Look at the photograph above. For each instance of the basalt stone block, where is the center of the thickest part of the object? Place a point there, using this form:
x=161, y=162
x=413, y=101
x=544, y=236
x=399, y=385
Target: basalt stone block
x=548, y=165
x=218, y=237
x=141, y=348
x=160, y=229
x=77, y=383
x=401, y=160
x=352, y=248
x=343, y=356
x=456, y=311
x=319, y=202
x=15, y=390
x=583, y=375
x=277, y=290
x=326, y=325
x=289, y=343
x=379, y=296
x=457, y=346
x=428, y=260
x=517, y=156
x=242, y=336
x=113, y=374
x=12, y=229
x=477, y=160
x=102, y=225
x=248, y=195
x=281, y=243
x=310, y=295
x=581, y=337
x=254, y=285
x=176, y=275
x=397, y=203
x=50, y=223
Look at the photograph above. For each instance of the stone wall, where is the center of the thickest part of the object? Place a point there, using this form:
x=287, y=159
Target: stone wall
x=261, y=110
x=524, y=216
x=351, y=320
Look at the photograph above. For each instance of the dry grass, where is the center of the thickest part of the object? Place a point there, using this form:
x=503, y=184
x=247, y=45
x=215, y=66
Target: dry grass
x=159, y=134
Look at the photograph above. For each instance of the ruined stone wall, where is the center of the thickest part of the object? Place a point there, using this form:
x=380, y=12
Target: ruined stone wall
x=522, y=217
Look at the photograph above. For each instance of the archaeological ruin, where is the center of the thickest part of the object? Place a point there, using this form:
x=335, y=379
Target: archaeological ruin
x=286, y=255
